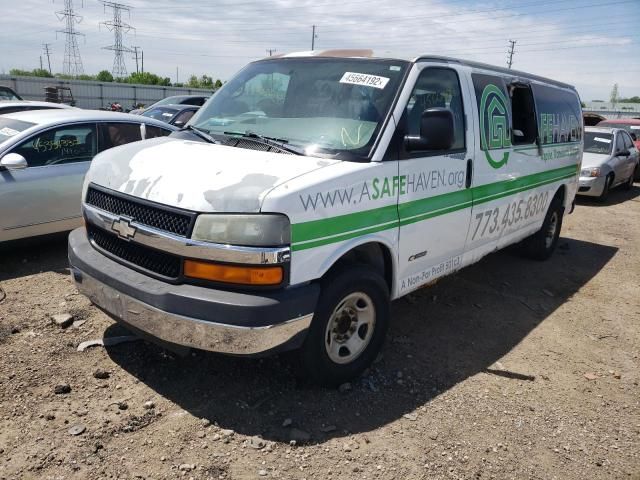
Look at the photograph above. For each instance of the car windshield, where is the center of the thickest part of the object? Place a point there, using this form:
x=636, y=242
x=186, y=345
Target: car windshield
x=167, y=101
x=160, y=113
x=10, y=128
x=7, y=94
x=333, y=106
x=635, y=129
x=595, y=142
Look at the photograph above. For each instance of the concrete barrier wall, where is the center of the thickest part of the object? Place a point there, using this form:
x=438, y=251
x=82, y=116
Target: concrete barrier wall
x=89, y=94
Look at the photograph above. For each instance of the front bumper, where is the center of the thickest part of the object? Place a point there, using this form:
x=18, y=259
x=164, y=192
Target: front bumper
x=591, y=186
x=236, y=323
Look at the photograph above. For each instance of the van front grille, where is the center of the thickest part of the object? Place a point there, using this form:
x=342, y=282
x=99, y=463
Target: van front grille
x=156, y=216
x=160, y=263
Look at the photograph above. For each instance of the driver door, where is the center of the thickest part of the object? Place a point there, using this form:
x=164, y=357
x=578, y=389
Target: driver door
x=45, y=196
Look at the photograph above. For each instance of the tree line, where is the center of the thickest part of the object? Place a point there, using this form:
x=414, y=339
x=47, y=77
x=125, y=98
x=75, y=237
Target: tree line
x=138, y=78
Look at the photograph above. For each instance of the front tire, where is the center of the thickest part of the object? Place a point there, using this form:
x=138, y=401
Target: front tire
x=628, y=185
x=348, y=327
x=604, y=196
x=540, y=245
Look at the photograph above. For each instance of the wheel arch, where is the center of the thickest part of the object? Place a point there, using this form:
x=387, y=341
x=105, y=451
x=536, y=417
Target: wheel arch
x=375, y=252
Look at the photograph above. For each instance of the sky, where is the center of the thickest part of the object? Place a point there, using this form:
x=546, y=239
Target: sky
x=591, y=44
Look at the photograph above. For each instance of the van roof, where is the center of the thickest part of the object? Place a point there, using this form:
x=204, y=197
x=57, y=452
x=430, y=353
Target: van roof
x=368, y=53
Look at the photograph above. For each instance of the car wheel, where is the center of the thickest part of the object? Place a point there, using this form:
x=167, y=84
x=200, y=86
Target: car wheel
x=605, y=191
x=540, y=245
x=348, y=327
x=628, y=185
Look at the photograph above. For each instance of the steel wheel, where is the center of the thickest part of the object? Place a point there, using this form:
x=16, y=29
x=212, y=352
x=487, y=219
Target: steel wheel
x=350, y=328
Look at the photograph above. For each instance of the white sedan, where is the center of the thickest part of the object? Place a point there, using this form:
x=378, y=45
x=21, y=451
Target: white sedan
x=44, y=155
x=12, y=106
x=609, y=159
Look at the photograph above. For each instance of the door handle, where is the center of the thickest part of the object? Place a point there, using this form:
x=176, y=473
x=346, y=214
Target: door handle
x=469, y=173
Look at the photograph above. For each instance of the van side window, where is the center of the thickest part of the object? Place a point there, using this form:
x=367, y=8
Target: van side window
x=523, y=114
x=559, y=114
x=437, y=88
x=494, y=111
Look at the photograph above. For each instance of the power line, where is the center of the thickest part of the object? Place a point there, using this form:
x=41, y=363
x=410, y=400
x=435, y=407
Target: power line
x=271, y=51
x=313, y=37
x=72, y=64
x=118, y=27
x=45, y=46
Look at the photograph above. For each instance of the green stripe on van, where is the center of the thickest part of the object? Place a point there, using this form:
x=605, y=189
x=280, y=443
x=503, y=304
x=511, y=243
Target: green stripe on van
x=316, y=233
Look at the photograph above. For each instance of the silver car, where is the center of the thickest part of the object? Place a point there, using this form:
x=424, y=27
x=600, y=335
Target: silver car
x=609, y=159
x=44, y=156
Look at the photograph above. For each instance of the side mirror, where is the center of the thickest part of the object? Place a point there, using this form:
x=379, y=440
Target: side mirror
x=624, y=153
x=436, y=131
x=13, y=161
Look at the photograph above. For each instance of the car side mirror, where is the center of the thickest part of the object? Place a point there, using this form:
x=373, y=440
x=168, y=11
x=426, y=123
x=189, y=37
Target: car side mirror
x=13, y=161
x=436, y=131
x=624, y=153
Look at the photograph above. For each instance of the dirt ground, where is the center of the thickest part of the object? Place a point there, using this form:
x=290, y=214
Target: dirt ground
x=509, y=369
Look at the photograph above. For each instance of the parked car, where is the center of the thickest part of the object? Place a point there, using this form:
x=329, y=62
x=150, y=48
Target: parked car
x=44, y=156
x=632, y=126
x=290, y=216
x=609, y=159
x=197, y=100
x=24, y=105
x=177, y=115
x=8, y=93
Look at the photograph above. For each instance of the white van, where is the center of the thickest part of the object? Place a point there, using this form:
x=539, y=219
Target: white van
x=313, y=189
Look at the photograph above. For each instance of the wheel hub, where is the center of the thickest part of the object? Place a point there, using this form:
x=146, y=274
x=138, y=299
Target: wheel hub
x=350, y=328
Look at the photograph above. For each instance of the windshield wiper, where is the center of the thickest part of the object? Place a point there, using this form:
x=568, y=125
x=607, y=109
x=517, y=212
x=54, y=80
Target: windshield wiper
x=280, y=143
x=200, y=132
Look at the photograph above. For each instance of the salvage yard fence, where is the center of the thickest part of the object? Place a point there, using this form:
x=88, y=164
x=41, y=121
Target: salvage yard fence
x=90, y=94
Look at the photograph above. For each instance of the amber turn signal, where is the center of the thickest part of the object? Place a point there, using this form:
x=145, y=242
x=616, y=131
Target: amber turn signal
x=233, y=274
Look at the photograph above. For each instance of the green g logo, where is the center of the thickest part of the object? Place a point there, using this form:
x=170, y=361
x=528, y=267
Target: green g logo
x=494, y=131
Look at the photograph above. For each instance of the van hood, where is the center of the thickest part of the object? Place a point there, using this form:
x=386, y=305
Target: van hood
x=594, y=159
x=197, y=176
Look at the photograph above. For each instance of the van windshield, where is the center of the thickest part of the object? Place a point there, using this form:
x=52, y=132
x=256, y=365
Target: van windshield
x=595, y=142
x=333, y=106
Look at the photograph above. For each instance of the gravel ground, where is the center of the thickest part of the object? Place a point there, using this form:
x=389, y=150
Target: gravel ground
x=509, y=369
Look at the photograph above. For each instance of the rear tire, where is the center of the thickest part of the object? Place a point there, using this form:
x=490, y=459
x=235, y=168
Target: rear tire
x=604, y=196
x=540, y=245
x=348, y=327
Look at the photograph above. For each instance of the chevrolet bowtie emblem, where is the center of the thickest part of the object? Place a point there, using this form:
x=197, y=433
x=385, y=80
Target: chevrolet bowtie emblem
x=123, y=228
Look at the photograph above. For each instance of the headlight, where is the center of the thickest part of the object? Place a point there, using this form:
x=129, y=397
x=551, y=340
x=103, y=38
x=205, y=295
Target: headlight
x=257, y=230
x=590, y=172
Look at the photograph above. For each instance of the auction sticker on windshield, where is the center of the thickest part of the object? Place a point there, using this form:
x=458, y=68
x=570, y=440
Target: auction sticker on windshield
x=8, y=132
x=364, y=79
x=600, y=139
